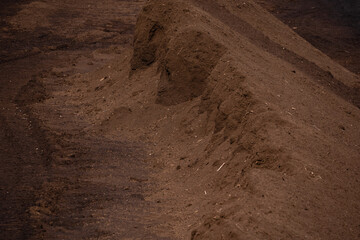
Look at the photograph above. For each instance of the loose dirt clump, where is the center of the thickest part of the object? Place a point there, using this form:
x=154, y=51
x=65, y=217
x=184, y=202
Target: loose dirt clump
x=33, y=92
x=191, y=57
x=185, y=56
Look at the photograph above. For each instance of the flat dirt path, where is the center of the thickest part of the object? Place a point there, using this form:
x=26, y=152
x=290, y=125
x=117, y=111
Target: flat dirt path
x=59, y=181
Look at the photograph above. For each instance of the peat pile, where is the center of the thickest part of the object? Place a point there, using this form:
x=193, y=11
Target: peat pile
x=255, y=133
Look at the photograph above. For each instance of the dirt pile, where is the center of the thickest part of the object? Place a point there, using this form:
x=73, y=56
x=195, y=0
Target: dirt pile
x=186, y=56
x=255, y=133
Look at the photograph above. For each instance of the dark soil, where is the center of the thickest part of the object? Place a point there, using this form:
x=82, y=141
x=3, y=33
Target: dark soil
x=333, y=26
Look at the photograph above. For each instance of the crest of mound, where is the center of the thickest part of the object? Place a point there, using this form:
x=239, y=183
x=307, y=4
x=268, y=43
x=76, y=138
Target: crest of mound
x=185, y=55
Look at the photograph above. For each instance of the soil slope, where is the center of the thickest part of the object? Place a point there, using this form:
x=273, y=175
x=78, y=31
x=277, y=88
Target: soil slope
x=256, y=131
x=219, y=122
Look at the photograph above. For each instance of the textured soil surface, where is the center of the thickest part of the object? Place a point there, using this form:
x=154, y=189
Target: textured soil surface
x=192, y=119
x=332, y=26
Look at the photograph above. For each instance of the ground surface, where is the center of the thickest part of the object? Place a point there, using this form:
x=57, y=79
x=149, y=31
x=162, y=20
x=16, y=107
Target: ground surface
x=57, y=181
x=333, y=26
x=208, y=120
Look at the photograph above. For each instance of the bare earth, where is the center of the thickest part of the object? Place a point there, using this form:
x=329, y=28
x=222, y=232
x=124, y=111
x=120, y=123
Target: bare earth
x=193, y=119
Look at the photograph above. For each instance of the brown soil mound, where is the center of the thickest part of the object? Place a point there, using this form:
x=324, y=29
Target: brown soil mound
x=253, y=128
x=251, y=132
